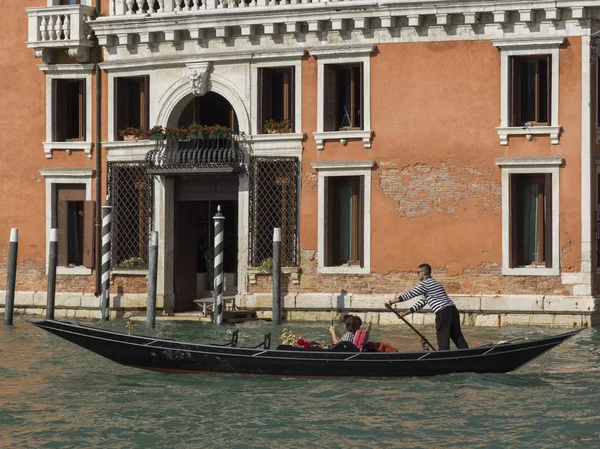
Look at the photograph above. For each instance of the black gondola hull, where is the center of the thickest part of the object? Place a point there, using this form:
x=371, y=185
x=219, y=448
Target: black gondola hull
x=174, y=356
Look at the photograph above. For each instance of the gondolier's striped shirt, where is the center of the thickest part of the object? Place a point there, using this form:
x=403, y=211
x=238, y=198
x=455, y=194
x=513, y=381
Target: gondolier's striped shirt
x=433, y=294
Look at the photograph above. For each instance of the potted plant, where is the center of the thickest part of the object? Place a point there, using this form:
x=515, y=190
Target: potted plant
x=176, y=132
x=131, y=133
x=195, y=131
x=217, y=131
x=156, y=133
x=277, y=127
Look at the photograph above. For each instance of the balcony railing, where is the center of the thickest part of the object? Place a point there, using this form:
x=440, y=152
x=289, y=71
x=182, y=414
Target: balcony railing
x=196, y=155
x=53, y=28
x=128, y=7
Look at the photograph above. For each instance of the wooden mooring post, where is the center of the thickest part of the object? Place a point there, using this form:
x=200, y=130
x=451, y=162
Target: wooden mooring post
x=11, y=277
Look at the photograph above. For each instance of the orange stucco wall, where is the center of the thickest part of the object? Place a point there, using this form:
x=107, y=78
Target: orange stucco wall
x=436, y=191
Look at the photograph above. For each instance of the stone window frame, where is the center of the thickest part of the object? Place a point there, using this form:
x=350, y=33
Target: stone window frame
x=530, y=165
x=327, y=169
x=528, y=47
x=54, y=178
x=68, y=71
x=357, y=54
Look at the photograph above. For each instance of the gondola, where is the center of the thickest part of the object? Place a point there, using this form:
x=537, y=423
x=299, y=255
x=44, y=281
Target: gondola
x=343, y=360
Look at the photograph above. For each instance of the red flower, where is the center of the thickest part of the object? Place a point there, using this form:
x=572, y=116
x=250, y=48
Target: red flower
x=306, y=344
x=300, y=342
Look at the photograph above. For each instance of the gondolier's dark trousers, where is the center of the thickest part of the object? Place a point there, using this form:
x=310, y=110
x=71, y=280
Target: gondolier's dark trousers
x=447, y=326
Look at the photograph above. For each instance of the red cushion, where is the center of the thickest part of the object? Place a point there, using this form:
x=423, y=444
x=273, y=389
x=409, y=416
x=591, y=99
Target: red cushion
x=360, y=338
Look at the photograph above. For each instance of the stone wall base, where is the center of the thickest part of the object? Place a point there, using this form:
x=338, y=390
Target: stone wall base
x=477, y=310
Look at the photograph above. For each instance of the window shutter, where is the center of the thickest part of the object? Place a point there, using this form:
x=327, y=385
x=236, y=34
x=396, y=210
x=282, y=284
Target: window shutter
x=144, y=103
x=361, y=98
x=514, y=221
x=58, y=108
x=88, y=233
x=330, y=115
x=361, y=223
x=291, y=105
x=515, y=89
x=81, y=85
x=119, y=102
x=548, y=220
x=63, y=232
x=328, y=223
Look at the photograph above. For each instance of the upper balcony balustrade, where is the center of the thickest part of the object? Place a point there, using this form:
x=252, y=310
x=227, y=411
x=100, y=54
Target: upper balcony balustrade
x=57, y=27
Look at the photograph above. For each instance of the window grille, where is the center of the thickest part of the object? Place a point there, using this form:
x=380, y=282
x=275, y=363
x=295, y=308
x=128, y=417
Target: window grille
x=273, y=204
x=130, y=188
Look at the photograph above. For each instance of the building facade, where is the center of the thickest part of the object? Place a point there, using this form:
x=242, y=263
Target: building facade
x=376, y=135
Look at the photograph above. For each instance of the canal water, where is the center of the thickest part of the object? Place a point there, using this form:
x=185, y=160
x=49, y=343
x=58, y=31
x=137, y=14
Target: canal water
x=56, y=395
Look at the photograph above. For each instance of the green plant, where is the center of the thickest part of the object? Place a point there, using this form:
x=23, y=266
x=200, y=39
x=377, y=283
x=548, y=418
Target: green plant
x=217, y=131
x=138, y=133
x=156, y=130
x=266, y=265
x=132, y=262
x=196, y=129
x=277, y=127
x=176, y=132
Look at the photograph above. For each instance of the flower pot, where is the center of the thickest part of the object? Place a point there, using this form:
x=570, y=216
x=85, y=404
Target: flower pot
x=156, y=136
x=129, y=137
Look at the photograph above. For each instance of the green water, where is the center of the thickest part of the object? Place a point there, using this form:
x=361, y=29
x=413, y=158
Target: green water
x=56, y=395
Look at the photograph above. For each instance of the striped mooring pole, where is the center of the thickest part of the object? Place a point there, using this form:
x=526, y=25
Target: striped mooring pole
x=106, y=256
x=11, y=278
x=218, y=281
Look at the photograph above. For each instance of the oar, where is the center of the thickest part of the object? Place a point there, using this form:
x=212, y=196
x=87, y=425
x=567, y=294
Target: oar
x=388, y=306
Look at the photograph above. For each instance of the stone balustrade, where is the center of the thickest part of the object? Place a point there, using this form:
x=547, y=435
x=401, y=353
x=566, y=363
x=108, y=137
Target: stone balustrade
x=53, y=28
x=132, y=7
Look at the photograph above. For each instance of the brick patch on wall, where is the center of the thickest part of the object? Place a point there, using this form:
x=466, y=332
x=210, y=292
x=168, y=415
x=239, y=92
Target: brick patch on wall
x=420, y=189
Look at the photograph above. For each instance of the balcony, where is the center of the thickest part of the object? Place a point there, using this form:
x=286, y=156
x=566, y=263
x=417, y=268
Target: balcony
x=56, y=28
x=210, y=155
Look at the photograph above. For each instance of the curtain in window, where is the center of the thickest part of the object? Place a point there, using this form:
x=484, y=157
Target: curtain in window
x=530, y=224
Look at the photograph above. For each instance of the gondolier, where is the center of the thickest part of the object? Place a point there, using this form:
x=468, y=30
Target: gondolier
x=447, y=319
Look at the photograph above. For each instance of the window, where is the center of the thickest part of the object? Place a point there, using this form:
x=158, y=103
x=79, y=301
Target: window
x=344, y=216
x=276, y=96
x=529, y=82
x=131, y=103
x=130, y=188
x=273, y=204
x=70, y=210
x=70, y=2
x=343, y=94
x=69, y=107
x=530, y=215
x=531, y=220
x=343, y=97
x=344, y=221
x=531, y=90
x=74, y=219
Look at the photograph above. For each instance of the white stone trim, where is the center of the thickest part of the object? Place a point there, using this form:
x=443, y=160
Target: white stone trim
x=344, y=55
x=127, y=150
x=111, y=97
x=336, y=169
x=587, y=183
x=55, y=177
x=526, y=47
x=277, y=144
x=527, y=165
x=68, y=71
x=281, y=61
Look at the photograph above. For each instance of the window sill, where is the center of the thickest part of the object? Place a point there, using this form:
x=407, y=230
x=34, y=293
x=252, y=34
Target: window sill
x=343, y=136
x=128, y=150
x=344, y=270
x=130, y=271
x=552, y=131
x=49, y=147
x=74, y=271
x=293, y=272
x=530, y=271
x=268, y=143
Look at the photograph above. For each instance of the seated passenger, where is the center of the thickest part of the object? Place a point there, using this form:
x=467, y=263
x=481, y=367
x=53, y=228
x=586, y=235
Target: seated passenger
x=352, y=324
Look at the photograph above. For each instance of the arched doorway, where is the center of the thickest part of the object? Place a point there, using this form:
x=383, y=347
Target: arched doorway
x=197, y=197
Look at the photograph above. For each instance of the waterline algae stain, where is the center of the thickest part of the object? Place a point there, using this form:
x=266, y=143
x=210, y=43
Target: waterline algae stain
x=56, y=395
